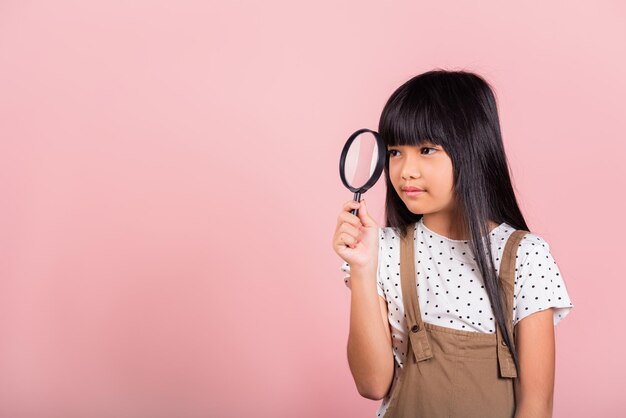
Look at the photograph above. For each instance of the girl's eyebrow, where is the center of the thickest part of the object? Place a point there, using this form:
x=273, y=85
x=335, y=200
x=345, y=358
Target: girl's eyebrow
x=423, y=144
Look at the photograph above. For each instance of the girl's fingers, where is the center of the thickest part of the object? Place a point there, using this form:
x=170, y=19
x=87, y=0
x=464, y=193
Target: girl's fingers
x=351, y=204
x=349, y=240
x=346, y=214
x=349, y=229
x=347, y=218
x=348, y=207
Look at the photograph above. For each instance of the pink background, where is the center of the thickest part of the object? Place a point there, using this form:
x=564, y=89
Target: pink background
x=170, y=188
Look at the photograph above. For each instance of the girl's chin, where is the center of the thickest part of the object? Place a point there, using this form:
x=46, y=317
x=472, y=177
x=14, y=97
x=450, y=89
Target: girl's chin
x=414, y=207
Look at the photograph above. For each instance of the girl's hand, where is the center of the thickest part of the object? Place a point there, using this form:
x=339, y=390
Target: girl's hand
x=356, y=237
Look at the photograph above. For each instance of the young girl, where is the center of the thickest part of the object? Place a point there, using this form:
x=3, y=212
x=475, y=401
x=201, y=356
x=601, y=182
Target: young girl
x=454, y=303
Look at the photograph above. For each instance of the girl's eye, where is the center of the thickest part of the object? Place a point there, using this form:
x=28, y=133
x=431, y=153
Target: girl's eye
x=391, y=151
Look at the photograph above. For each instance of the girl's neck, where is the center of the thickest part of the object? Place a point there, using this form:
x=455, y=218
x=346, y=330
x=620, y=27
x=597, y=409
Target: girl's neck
x=450, y=227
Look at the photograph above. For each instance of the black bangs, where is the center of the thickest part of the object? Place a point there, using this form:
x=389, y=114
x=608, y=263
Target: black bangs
x=412, y=116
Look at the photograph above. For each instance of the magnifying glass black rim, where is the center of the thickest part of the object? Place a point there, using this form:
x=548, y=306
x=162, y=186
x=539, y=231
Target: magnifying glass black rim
x=382, y=154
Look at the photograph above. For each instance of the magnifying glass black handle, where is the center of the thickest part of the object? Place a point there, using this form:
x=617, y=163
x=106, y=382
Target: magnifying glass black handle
x=357, y=197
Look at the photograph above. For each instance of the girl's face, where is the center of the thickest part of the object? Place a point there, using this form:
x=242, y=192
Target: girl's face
x=427, y=167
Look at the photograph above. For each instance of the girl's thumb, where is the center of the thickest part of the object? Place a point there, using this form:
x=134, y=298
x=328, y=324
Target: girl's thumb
x=364, y=215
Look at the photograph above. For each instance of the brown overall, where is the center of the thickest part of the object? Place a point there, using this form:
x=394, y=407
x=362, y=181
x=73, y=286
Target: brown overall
x=448, y=372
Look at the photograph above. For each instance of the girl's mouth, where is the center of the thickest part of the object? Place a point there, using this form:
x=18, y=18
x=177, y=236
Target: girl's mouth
x=413, y=192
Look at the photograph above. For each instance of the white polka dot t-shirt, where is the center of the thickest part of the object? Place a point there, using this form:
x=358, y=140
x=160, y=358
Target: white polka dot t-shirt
x=450, y=287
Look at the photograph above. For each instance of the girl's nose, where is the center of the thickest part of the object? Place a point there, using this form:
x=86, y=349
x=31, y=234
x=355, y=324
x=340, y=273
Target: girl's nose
x=410, y=171
x=410, y=166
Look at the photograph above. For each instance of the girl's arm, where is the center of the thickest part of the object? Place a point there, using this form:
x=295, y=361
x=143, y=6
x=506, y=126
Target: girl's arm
x=369, y=342
x=534, y=387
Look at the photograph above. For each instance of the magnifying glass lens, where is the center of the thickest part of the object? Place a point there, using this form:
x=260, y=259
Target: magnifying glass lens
x=361, y=159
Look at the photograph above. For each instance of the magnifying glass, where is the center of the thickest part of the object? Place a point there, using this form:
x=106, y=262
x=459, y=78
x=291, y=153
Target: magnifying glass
x=362, y=162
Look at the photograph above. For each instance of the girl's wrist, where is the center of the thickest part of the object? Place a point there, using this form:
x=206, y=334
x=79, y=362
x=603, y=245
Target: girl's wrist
x=364, y=270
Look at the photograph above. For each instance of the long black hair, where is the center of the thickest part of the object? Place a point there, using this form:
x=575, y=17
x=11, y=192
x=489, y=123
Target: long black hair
x=457, y=110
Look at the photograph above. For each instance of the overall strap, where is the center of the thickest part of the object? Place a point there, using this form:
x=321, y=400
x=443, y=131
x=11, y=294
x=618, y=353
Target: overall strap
x=507, y=285
x=418, y=338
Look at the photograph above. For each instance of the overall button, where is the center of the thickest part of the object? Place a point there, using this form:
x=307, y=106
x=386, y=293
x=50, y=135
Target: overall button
x=504, y=343
x=415, y=328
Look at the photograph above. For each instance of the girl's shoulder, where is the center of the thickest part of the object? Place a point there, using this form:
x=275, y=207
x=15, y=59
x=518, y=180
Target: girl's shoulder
x=533, y=244
x=539, y=283
x=529, y=241
x=503, y=230
x=389, y=233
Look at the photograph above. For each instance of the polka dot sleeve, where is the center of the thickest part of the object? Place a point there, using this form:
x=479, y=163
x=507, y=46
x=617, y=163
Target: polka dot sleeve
x=345, y=267
x=539, y=284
